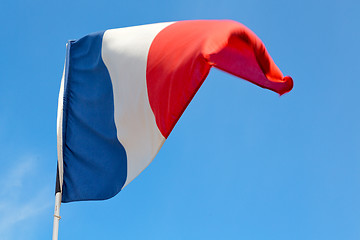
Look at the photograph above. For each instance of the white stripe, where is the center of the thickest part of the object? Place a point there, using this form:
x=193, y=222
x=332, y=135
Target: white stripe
x=59, y=124
x=124, y=52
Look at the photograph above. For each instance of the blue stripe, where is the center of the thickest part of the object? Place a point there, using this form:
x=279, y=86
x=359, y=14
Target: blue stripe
x=95, y=164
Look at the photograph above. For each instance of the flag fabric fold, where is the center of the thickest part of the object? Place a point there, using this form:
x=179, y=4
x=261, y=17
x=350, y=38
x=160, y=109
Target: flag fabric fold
x=123, y=90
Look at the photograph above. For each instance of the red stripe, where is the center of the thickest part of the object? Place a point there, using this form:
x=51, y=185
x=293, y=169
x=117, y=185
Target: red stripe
x=182, y=54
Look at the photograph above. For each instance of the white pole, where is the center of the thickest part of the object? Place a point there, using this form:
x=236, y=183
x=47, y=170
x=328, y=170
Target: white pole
x=56, y=216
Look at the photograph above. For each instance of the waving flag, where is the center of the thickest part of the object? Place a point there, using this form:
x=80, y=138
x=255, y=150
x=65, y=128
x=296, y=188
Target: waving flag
x=123, y=90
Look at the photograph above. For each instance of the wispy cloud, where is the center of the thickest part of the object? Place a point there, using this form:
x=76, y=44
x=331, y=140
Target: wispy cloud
x=21, y=198
x=15, y=177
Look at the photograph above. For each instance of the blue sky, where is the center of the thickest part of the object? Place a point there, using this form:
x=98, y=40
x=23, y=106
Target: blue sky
x=242, y=162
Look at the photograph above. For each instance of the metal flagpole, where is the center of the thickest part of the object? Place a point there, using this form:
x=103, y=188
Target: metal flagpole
x=56, y=216
x=59, y=171
x=58, y=195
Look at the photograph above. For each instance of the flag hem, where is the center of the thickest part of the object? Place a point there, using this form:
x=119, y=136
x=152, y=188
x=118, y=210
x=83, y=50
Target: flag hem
x=62, y=119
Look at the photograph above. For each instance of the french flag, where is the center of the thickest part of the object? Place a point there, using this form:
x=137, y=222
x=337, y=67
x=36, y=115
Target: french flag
x=123, y=90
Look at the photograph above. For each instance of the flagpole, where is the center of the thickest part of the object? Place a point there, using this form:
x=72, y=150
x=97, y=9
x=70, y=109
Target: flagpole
x=59, y=133
x=56, y=216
